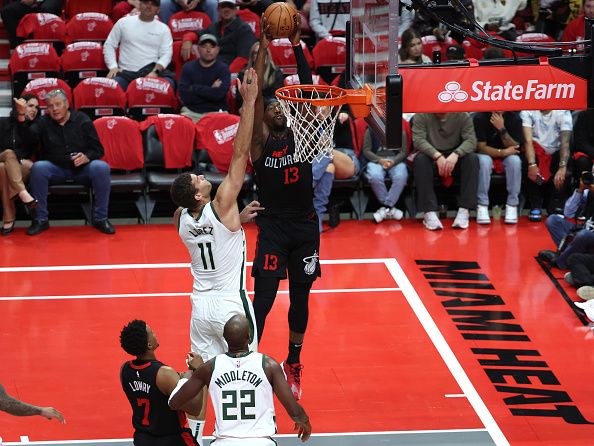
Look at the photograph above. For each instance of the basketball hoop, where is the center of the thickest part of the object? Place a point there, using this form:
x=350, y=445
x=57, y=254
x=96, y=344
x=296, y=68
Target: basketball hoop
x=311, y=112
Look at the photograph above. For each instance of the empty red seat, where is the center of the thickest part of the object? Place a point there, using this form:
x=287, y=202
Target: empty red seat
x=182, y=22
x=99, y=96
x=81, y=60
x=32, y=60
x=88, y=26
x=41, y=87
x=283, y=57
x=121, y=138
x=150, y=96
x=329, y=57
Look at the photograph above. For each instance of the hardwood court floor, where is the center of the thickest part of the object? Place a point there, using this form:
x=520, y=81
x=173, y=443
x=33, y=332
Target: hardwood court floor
x=410, y=331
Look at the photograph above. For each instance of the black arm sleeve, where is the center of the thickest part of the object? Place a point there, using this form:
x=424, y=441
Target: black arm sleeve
x=303, y=68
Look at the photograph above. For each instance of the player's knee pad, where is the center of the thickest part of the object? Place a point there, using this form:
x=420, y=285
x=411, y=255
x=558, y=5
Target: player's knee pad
x=299, y=308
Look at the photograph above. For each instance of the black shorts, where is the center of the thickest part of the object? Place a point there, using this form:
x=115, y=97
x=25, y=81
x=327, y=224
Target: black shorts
x=184, y=438
x=291, y=244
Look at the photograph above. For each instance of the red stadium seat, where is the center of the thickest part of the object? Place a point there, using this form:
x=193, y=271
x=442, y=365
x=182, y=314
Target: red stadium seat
x=329, y=57
x=182, y=22
x=81, y=60
x=88, y=26
x=148, y=96
x=281, y=51
x=43, y=27
x=99, y=96
x=74, y=7
x=120, y=137
x=251, y=18
x=432, y=43
x=124, y=152
x=41, y=87
x=32, y=60
x=216, y=134
x=293, y=79
x=177, y=135
x=527, y=38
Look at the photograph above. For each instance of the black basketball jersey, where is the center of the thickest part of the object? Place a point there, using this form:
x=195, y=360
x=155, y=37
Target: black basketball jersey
x=285, y=186
x=150, y=411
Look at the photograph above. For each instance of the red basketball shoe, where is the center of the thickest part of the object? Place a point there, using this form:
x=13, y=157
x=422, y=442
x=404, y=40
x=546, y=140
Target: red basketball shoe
x=293, y=375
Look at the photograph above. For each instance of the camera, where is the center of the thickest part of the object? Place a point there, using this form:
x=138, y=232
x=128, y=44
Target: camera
x=587, y=178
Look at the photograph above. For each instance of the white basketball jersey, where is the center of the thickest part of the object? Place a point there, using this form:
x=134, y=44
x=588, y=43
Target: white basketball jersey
x=218, y=254
x=242, y=397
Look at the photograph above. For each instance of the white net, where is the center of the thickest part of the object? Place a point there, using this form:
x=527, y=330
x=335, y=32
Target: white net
x=312, y=124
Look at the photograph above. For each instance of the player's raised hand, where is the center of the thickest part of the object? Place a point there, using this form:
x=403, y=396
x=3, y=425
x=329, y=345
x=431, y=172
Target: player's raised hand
x=265, y=36
x=295, y=36
x=249, y=87
x=304, y=430
x=250, y=212
x=50, y=412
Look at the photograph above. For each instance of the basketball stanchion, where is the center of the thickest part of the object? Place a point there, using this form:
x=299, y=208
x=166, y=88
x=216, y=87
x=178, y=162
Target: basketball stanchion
x=311, y=112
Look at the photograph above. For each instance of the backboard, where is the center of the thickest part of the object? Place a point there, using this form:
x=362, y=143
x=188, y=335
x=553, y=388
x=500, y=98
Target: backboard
x=373, y=59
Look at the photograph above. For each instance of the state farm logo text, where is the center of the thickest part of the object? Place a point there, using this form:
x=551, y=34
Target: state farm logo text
x=488, y=91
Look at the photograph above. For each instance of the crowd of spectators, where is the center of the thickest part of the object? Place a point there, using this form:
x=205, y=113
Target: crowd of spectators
x=543, y=154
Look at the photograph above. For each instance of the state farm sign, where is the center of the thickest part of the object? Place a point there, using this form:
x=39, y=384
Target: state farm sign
x=474, y=88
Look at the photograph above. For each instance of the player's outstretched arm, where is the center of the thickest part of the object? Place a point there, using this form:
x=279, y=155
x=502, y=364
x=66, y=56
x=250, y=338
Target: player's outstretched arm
x=18, y=408
x=285, y=396
x=258, y=133
x=225, y=201
x=191, y=389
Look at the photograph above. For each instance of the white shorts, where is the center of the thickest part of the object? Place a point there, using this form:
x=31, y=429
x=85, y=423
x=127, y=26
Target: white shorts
x=243, y=442
x=209, y=316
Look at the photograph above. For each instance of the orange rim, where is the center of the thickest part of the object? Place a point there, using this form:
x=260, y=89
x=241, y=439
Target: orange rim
x=359, y=100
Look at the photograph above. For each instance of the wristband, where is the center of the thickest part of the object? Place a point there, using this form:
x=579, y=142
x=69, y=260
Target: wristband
x=532, y=164
x=563, y=164
x=502, y=131
x=179, y=385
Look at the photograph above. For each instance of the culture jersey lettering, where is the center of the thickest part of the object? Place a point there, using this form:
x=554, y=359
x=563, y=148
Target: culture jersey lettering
x=150, y=410
x=285, y=186
x=242, y=397
x=218, y=254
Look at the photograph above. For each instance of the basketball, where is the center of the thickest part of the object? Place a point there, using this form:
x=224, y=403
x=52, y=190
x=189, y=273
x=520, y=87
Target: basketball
x=282, y=19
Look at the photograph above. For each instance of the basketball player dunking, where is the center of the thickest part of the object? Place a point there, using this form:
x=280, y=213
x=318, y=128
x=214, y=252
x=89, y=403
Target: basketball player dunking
x=288, y=236
x=241, y=384
x=212, y=233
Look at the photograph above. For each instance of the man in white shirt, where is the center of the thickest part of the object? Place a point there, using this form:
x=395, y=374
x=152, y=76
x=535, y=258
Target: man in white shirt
x=546, y=135
x=145, y=46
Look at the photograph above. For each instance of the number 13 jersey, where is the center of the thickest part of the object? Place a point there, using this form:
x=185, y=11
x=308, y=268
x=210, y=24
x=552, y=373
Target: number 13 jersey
x=242, y=397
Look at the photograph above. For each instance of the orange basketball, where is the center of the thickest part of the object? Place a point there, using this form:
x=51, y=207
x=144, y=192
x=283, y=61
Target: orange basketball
x=282, y=18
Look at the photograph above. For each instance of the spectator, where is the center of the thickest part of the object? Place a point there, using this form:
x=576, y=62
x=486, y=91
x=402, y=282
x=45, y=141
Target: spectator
x=273, y=76
x=583, y=141
x=455, y=52
x=16, y=166
x=581, y=270
x=411, y=48
x=234, y=35
x=170, y=7
x=570, y=238
x=204, y=83
x=499, y=136
x=551, y=16
x=446, y=143
x=546, y=135
x=574, y=31
x=70, y=150
x=13, y=12
x=15, y=407
x=496, y=16
x=382, y=164
x=328, y=18
x=145, y=47
x=342, y=165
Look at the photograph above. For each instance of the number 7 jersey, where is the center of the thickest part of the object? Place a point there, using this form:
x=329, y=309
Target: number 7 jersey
x=218, y=254
x=242, y=397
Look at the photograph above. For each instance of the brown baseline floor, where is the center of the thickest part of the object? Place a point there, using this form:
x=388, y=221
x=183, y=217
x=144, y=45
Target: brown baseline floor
x=415, y=337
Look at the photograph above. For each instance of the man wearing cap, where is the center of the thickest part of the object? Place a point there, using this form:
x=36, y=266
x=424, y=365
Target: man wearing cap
x=204, y=83
x=235, y=37
x=145, y=47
